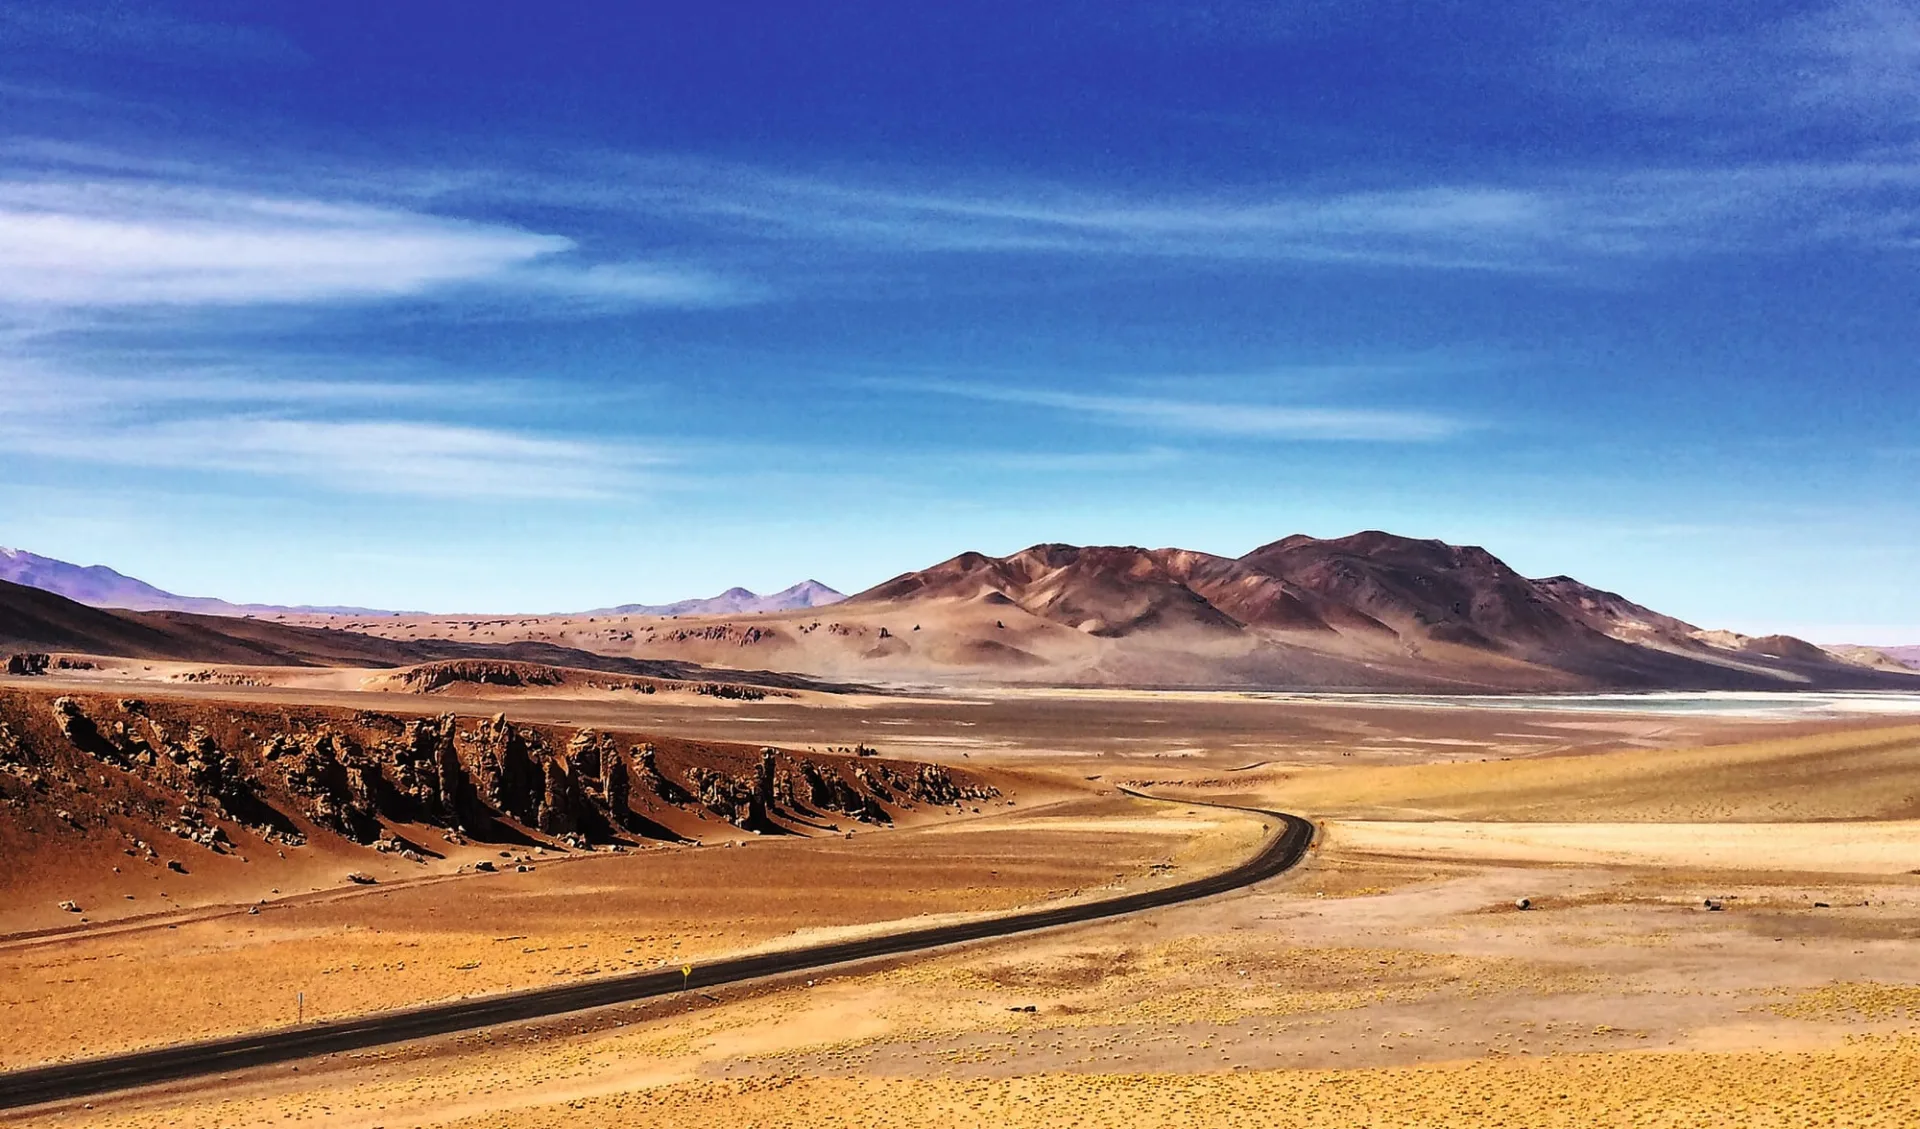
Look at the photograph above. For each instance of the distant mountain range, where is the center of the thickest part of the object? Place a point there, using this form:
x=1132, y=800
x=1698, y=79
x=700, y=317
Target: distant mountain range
x=1885, y=657
x=1372, y=611
x=101, y=587
x=32, y=619
x=738, y=601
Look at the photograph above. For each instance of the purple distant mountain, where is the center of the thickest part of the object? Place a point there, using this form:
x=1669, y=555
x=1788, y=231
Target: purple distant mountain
x=102, y=587
x=738, y=601
x=1910, y=655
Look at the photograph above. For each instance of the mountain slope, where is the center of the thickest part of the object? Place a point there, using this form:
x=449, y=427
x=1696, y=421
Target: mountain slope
x=33, y=620
x=102, y=587
x=1102, y=591
x=1882, y=658
x=737, y=601
x=1372, y=610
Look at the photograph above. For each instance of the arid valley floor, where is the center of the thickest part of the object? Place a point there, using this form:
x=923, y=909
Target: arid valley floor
x=1722, y=922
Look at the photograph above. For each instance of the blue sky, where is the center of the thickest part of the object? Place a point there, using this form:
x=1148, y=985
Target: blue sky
x=465, y=306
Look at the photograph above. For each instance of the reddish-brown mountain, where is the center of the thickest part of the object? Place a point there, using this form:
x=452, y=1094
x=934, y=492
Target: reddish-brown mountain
x=1372, y=609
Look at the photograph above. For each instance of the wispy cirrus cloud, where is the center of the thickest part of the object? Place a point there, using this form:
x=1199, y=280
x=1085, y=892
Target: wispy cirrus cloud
x=107, y=243
x=364, y=456
x=154, y=36
x=105, y=228
x=1447, y=226
x=1218, y=417
x=381, y=437
x=1850, y=63
x=1548, y=221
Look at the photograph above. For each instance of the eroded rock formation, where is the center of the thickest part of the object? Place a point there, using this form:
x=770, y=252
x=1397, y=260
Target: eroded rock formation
x=206, y=771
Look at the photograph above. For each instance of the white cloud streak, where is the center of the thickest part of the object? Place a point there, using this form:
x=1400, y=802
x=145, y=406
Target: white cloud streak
x=339, y=436
x=1549, y=222
x=1854, y=63
x=106, y=231
x=1234, y=419
x=104, y=243
x=1865, y=57
x=151, y=36
x=374, y=456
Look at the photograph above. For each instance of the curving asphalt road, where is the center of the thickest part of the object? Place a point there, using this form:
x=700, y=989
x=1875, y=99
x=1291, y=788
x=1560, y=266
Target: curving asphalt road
x=141, y=1068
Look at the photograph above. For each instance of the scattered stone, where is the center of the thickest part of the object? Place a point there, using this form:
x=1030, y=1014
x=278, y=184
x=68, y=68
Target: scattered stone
x=70, y=907
x=360, y=879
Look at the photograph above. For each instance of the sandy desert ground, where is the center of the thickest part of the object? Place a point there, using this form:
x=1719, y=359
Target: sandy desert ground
x=1723, y=928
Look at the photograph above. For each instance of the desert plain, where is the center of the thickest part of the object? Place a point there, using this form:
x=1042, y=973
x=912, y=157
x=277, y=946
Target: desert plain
x=1681, y=910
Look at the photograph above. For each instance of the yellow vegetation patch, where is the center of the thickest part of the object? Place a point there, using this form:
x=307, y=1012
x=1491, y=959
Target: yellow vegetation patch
x=1878, y=1085
x=1855, y=1001
x=1860, y=774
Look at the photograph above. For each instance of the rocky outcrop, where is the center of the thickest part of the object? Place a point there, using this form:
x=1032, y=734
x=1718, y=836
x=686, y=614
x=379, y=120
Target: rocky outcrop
x=828, y=790
x=934, y=785
x=212, y=775
x=340, y=786
x=518, y=774
x=730, y=692
x=731, y=797
x=504, y=771
x=80, y=730
x=615, y=788
x=205, y=772
x=595, y=759
x=28, y=663
x=651, y=779
x=427, y=771
x=428, y=677
x=559, y=812
x=763, y=779
x=16, y=758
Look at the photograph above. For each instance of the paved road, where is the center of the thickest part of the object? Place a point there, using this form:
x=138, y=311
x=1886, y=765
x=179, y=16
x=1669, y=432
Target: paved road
x=166, y=1064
